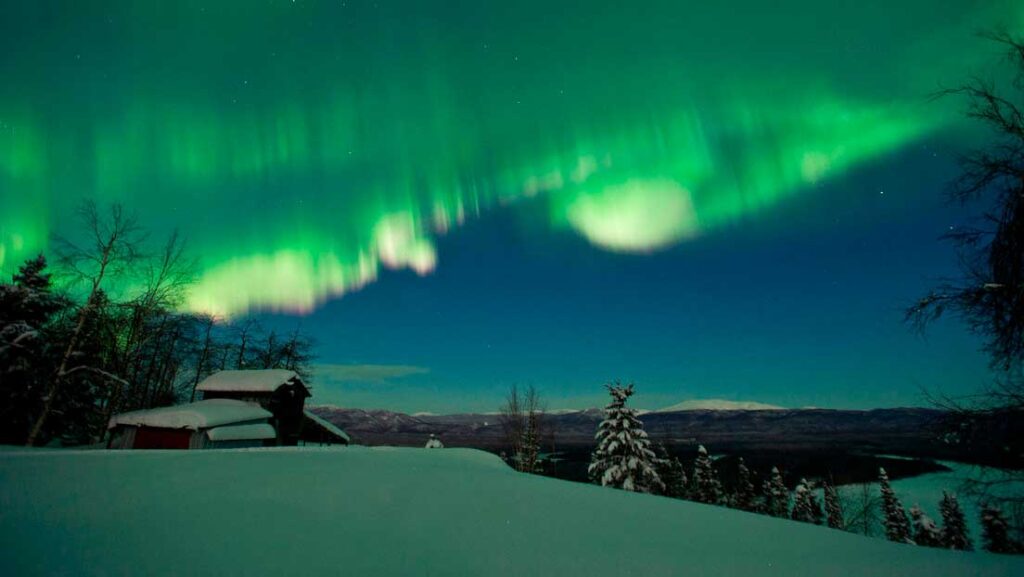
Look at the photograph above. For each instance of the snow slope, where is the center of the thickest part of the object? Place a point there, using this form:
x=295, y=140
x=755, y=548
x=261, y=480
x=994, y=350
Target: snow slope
x=386, y=511
x=718, y=405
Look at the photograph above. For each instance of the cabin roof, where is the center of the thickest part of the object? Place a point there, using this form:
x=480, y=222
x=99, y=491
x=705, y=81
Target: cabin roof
x=245, y=432
x=327, y=426
x=195, y=416
x=256, y=381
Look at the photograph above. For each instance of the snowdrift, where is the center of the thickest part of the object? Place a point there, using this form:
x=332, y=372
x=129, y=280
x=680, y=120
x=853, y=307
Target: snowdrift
x=402, y=512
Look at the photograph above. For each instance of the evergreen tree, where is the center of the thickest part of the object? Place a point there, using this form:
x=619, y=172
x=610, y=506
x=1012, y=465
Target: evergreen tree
x=28, y=311
x=806, y=507
x=623, y=458
x=954, y=525
x=833, y=508
x=671, y=472
x=776, y=496
x=995, y=536
x=926, y=532
x=744, y=498
x=897, y=527
x=705, y=487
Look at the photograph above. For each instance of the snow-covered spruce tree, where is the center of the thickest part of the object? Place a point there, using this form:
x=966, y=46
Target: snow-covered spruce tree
x=897, y=527
x=926, y=532
x=954, y=525
x=671, y=473
x=28, y=308
x=806, y=507
x=833, y=507
x=744, y=497
x=776, y=496
x=623, y=458
x=704, y=485
x=995, y=535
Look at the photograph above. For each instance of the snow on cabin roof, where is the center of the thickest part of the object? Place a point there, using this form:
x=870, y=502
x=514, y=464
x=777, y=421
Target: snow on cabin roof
x=327, y=425
x=195, y=416
x=263, y=381
x=250, y=432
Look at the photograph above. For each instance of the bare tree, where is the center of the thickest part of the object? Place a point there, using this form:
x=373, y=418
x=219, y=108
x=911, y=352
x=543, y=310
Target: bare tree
x=297, y=353
x=143, y=344
x=246, y=330
x=205, y=352
x=523, y=422
x=862, y=511
x=989, y=296
x=111, y=248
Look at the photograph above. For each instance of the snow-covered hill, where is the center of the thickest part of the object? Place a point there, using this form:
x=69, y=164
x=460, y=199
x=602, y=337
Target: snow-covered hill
x=387, y=511
x=718, y=405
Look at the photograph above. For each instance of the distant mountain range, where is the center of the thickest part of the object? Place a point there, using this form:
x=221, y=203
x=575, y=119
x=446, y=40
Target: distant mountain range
x=753, y=427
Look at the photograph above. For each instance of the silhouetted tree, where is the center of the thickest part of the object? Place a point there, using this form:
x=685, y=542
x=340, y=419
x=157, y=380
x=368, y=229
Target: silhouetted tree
x=995, y=535
x=27, y=310
x=672, y=474
x=704, y=484
x=112, y=246
x=833, y=507
x=989, y=295
x=954, y=526
x=744, y=497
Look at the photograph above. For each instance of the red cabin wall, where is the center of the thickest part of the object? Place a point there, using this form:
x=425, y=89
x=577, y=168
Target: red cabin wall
x=154, y=438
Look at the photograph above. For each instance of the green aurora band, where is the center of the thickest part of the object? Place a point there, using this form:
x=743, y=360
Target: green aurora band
x=302, y=147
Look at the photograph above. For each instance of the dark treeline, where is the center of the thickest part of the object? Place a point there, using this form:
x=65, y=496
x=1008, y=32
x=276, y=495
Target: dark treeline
x=104, y=331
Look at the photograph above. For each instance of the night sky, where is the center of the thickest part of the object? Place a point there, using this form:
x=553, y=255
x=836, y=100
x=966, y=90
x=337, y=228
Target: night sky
x=731, y=201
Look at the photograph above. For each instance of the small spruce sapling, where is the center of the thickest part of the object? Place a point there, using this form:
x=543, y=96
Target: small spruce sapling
x=926, y=532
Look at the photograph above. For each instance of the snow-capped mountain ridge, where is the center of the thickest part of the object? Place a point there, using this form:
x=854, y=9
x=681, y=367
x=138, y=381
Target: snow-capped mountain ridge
x=718, y=405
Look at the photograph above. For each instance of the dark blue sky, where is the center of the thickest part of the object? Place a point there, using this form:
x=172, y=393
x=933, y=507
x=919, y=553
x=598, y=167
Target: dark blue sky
x=801, y=306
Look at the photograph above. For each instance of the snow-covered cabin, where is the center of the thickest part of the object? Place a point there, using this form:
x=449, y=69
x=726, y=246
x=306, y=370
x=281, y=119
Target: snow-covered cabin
x=279, y=391
x=208, y=424
x=239, y=409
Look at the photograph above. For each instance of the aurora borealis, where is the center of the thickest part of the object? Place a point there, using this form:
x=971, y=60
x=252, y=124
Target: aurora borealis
x=308, y=148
